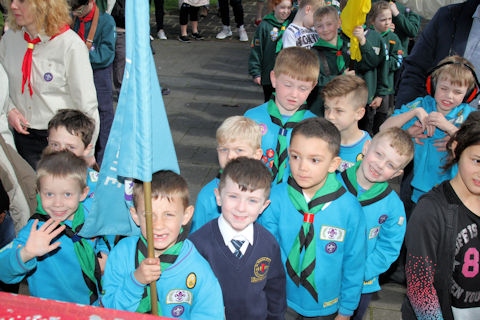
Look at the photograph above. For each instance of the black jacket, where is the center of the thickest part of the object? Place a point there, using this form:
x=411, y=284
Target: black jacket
x=430, y=242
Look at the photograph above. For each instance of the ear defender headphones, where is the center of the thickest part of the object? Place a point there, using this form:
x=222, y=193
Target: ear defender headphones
x=469, y=96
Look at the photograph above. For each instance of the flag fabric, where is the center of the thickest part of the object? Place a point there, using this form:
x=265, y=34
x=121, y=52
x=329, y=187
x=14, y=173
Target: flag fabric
x=354, y=14
x=140, y=141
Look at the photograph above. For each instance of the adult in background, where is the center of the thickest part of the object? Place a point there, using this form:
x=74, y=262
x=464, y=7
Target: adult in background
x=427, y=8
x=116, y=8
x=48, y=69
x=97, y=30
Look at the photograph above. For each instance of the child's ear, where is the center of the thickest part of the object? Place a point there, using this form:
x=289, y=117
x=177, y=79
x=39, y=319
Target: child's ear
x=360, y=113
x=84, y=194
x=258, y=154
x=366, y=145
x=334, y=164
x=265, y=205
x=87, y=150
x=273, y=79
x=217, y=197
x=187, y=214
x=399, y=172
x=135, y=217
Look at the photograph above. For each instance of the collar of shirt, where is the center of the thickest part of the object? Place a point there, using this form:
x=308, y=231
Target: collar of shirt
x=43, y=37
x=228, y=233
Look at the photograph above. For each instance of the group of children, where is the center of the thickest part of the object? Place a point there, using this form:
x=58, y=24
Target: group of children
x=317, y=25
x=301, y=220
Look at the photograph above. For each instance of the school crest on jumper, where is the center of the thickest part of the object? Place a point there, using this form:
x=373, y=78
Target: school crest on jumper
x=260, y=269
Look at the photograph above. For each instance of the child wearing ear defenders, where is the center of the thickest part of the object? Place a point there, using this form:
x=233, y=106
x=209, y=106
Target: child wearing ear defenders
x=433, y=119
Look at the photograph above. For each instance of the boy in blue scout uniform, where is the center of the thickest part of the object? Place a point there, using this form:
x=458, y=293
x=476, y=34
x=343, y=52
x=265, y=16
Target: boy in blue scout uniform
x=186, y=285
x=57, y=263
x=237, y=136
x=293, y=77
x=319, y=226
x=451, y=85
x=385, y=156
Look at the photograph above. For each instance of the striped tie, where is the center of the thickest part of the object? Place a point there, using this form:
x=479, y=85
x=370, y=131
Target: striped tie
x=237, y=244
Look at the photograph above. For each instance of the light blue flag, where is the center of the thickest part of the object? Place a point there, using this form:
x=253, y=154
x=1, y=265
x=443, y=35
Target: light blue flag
x=140, y=141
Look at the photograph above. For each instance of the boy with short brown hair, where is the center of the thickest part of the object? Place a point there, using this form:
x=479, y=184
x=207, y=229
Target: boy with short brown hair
x=345, y=97
x=244, y=255
x=317, y=224
x=293, y=77
x=186, y=285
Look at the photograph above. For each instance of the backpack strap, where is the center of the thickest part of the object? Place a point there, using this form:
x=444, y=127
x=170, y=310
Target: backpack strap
x=93, y=28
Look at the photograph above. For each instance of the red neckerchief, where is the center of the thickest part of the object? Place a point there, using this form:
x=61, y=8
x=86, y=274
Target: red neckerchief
x=27, y=58
x=87, y=18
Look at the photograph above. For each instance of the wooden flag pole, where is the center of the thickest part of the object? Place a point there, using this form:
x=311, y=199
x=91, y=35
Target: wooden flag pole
x=147, y=194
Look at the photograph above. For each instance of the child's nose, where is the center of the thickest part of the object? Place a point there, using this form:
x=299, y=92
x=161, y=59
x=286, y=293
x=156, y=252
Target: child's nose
x=57, y=201
x=230, y=154
x=301, y=165
x=241, y=205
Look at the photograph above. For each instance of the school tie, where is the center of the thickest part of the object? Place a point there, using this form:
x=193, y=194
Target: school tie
x=237, y=244
x=27, y=62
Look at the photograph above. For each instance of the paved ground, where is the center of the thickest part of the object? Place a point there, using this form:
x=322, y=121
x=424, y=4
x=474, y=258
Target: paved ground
x=209, y=81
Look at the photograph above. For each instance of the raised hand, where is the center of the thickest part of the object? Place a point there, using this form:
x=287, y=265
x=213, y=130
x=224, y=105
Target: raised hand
x=39, y=241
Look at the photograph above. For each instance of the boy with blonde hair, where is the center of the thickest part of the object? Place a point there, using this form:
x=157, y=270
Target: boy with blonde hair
x=300, y=33
x=294, y=76
x=345, y=97
x=186, y=285
x=237, y=136
x=385, y=156
x=437, y=116
x=319, y=226
x=57, y=263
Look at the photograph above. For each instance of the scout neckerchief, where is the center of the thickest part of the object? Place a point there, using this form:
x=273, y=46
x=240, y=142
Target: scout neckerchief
x=303, y=273
x=280, y=35
x=93, y=16
x=384, y=33
x=167, y=258
x=378, y=191
x=83, y=249
x=27, y=58
x=337, y=49
x=281, y=152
